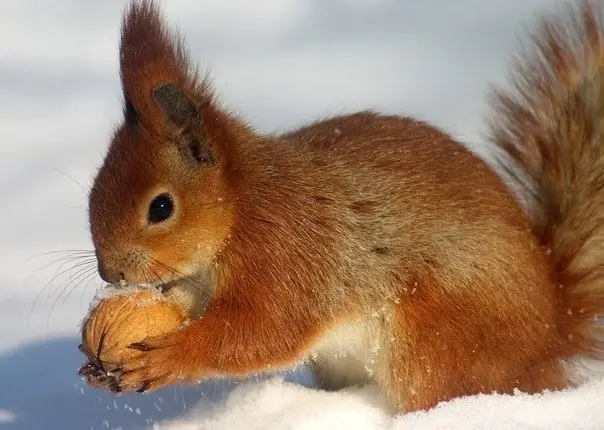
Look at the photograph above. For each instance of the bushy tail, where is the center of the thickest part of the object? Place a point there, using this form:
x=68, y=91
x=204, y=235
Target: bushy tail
x=549, y=133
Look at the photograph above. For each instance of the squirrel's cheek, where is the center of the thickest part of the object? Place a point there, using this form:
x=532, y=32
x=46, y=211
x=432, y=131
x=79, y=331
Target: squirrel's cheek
x=187, y=260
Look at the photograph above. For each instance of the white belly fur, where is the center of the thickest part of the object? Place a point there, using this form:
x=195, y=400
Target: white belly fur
x=347, y=355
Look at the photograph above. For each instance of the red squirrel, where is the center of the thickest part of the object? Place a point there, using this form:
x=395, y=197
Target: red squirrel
x=374, y=247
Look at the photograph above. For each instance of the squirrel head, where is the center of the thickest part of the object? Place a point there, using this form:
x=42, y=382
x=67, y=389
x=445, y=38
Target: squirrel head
x=161, y=205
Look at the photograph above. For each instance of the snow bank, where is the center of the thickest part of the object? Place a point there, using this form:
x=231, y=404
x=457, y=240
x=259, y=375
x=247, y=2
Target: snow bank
x=278, y=404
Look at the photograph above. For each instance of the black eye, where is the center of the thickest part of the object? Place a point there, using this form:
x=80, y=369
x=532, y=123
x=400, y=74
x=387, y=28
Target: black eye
x=161, y=208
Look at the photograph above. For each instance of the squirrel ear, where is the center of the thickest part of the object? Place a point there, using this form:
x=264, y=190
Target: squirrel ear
x=157, y=79
x=130, y=115
x=182, y=112
x=179, y=109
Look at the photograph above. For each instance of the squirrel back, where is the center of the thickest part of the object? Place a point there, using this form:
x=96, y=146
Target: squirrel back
x=375, y=247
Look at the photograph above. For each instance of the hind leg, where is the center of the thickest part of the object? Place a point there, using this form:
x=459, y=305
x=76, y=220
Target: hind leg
x=450, y=346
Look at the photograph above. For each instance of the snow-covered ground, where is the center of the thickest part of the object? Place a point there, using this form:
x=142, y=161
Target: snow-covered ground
x=281, y=63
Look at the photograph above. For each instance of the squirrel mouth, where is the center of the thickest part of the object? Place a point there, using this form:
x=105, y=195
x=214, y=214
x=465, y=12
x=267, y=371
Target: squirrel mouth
x=161, y=287
x=164, y=288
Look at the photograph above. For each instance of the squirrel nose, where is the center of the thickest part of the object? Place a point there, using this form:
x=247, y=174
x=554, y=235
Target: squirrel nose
x=108, y=274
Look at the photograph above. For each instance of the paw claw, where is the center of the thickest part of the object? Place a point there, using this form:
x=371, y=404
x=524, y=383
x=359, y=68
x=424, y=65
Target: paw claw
x=115, y=387
x=90, y=370
x=141, y=346
x=144, y=388
x=116, y=373
x=86, y=369
x=93, y=376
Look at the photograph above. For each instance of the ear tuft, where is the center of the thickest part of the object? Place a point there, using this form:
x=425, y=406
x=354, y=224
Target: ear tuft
x=150, y=56
x=179, y=109
x=146, y=41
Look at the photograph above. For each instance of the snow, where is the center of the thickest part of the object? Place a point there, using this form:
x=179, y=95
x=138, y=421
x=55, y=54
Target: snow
x=278, y=404
x=281, y=63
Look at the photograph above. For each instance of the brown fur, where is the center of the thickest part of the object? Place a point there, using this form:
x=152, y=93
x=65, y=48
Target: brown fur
x=550, y=133
x=374, y=246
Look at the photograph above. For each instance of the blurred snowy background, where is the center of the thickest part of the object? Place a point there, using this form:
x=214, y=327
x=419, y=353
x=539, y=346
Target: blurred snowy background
x=279, y=62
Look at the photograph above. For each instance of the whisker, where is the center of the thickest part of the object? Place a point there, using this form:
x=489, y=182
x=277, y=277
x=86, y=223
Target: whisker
x=186, y=278
x=89, y=276
x=157, y=275
x=69, y=272
x=148, y=275
x=90, y=280
x=77, y=277
x=63, y=251
x=81, y=269
x=149, y=266
x=73, y=269
x=84, y=274
x=67, y=175
x=65, y=259
x=182, y=304
x=80, y=265
x=197, y=285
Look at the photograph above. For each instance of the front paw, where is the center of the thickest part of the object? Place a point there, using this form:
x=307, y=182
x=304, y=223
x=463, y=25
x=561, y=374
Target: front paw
x=94, y=372
x=94, y=376
x=152, y=364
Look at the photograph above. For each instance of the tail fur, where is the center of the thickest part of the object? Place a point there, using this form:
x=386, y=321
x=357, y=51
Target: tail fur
x=549, y=133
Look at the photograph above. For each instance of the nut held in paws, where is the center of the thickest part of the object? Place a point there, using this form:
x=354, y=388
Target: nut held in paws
x=122, y=319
